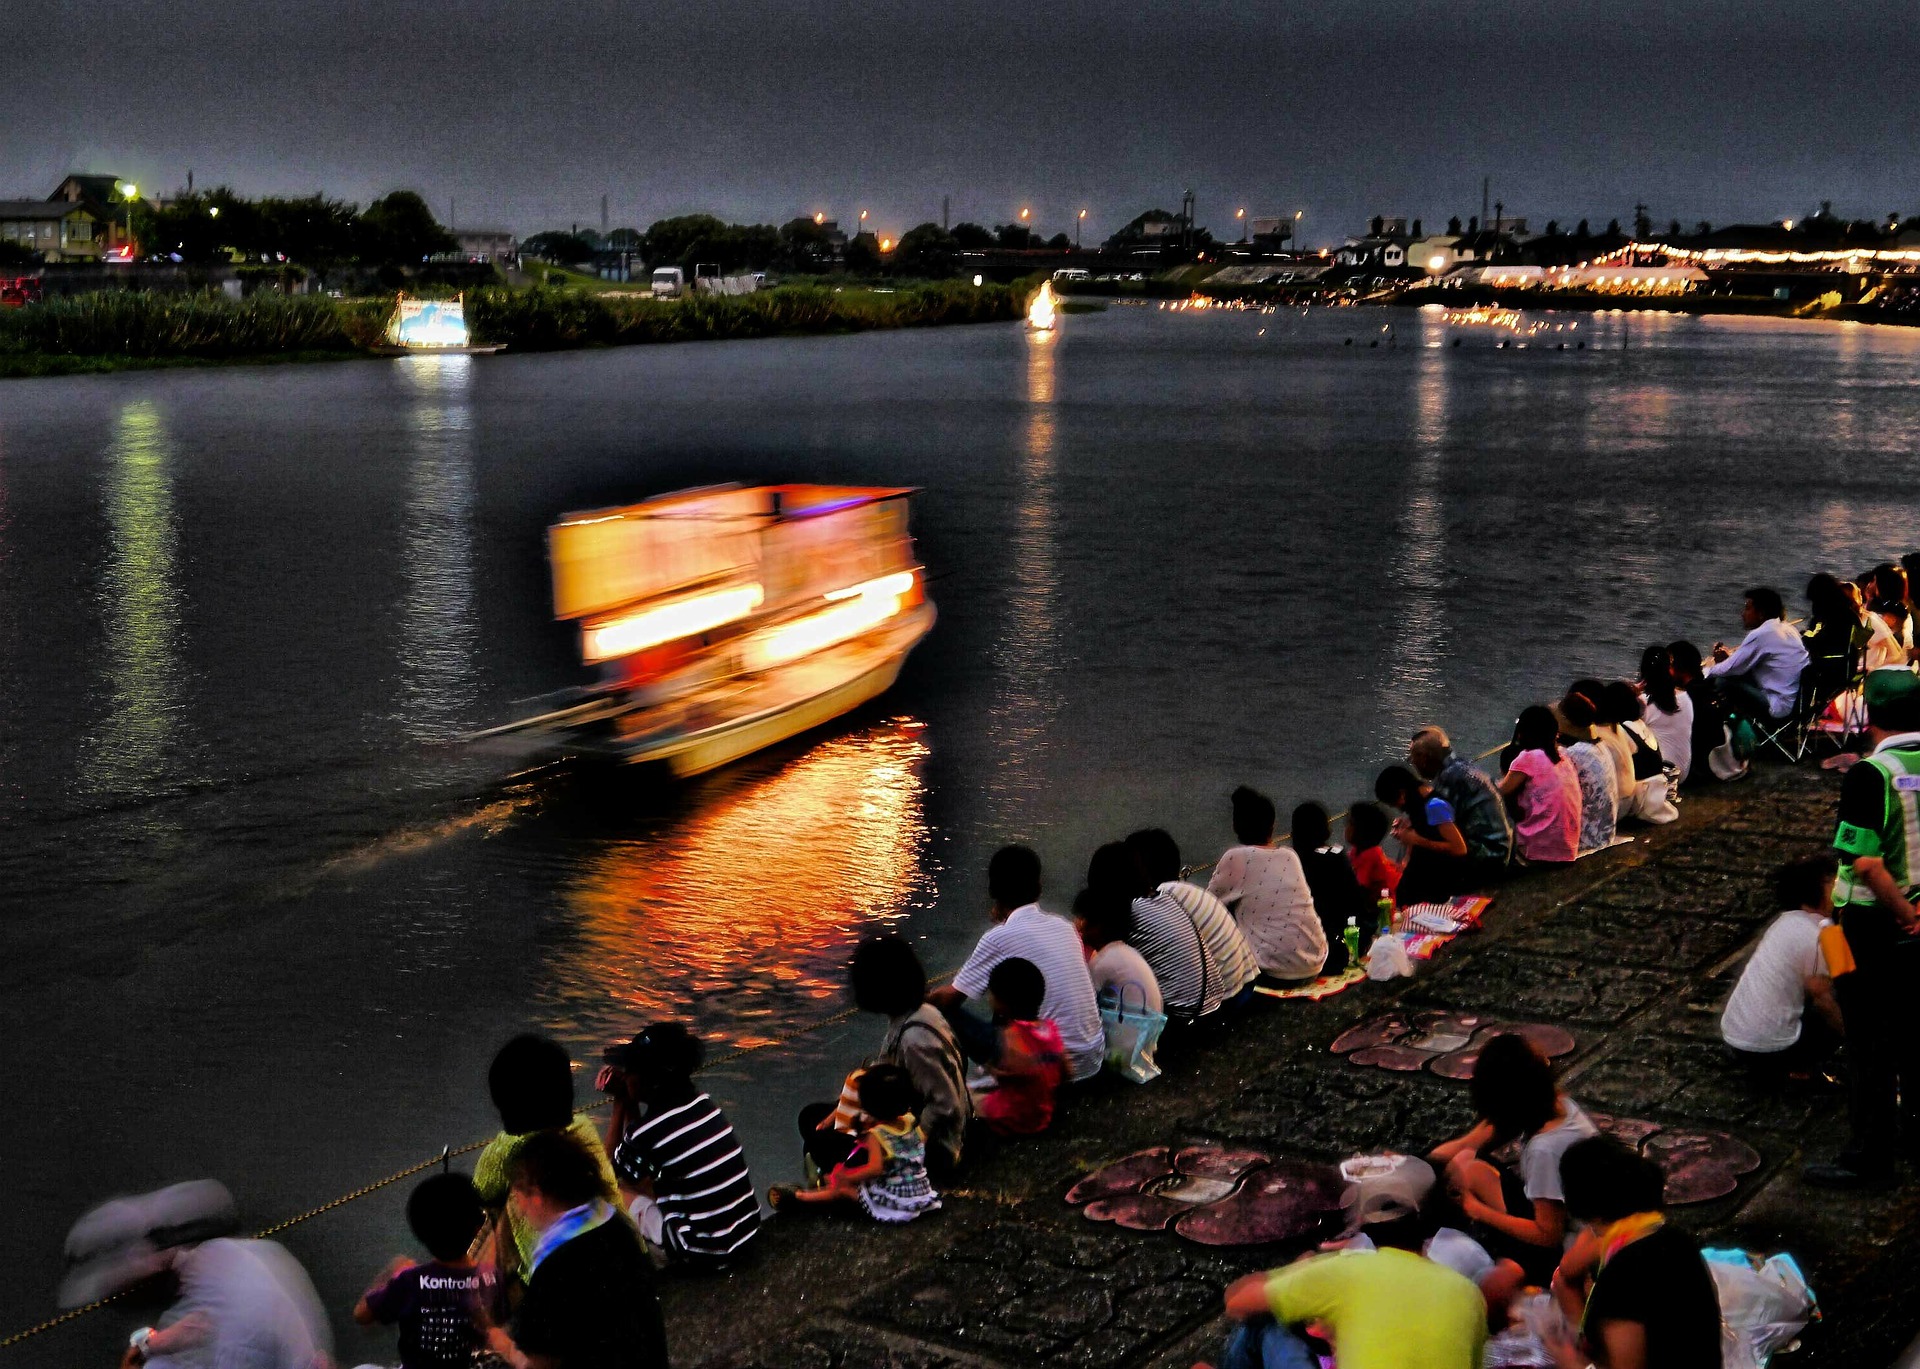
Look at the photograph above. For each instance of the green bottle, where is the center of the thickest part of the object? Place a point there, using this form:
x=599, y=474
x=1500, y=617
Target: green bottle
x=1385, y=905
x=1351, y=935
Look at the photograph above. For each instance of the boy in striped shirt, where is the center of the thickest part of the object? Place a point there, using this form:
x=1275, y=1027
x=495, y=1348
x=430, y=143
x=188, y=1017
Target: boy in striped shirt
x=679, y=1163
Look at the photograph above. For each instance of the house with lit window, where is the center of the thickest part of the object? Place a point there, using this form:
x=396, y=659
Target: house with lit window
x=58, y=230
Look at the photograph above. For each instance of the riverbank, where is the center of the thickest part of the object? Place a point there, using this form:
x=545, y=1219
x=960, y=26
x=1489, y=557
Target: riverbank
x=117, y=331
x=1631, y=950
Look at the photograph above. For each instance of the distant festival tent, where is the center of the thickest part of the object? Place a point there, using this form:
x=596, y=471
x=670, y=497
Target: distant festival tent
x=428, y=324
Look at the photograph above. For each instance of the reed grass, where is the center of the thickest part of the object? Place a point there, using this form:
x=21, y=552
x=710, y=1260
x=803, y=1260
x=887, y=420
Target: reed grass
x=115, y=328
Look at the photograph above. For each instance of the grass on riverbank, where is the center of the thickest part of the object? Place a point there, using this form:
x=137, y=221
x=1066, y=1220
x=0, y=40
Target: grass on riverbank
x=117, y=330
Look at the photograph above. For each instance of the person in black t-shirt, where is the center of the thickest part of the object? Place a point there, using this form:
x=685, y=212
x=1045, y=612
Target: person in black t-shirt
x=1337, y=895
x=438, y=1305
x=590, y=1300
x=1637, y=1287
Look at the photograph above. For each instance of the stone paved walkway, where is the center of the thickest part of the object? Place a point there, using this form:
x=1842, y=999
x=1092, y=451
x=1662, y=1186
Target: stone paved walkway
x=1632, y=950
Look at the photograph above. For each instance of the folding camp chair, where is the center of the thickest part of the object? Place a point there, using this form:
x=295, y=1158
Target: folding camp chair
x=1832, y=682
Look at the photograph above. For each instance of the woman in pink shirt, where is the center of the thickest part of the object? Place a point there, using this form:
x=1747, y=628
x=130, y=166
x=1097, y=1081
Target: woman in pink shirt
x=1544, y=789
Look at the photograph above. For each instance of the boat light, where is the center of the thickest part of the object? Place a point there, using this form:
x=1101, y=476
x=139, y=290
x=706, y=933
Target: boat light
x=898, y=583
x=857, y=609
x=668, y=622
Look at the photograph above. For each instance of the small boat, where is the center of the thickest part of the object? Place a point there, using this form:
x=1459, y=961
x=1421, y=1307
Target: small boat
x=726, y=619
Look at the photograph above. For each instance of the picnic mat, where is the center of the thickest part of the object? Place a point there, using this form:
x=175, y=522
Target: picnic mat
x=1326, y=986
x=1432, y=925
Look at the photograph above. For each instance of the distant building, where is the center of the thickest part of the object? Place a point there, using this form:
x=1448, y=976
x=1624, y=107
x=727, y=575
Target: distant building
x=488, y=246
x=58, y=229
x=98, y=191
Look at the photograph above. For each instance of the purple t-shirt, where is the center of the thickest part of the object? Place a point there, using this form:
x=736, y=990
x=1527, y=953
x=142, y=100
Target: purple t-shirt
x=437, y=1309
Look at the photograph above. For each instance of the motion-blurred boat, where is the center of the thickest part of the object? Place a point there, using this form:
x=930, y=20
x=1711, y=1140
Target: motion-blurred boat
x=431, y=327
x=727, y=619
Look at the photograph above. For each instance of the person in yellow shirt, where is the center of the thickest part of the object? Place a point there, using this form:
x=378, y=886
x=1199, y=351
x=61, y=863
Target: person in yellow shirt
x=1381, y=1309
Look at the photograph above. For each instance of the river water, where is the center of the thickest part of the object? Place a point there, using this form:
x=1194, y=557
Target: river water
x=263, y=917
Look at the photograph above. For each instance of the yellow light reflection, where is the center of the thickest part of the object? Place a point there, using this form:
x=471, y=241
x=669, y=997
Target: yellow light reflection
x=440, y=632
x=669, y=622
x=141, y=600
x=759, y=897
x=1411, y=687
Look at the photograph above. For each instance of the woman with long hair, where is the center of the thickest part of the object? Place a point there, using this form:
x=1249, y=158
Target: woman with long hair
x=1669, y=712
x=1543, y=789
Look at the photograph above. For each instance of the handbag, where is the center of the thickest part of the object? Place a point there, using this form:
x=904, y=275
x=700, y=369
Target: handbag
x=1646, y=758
x=1132, y=1034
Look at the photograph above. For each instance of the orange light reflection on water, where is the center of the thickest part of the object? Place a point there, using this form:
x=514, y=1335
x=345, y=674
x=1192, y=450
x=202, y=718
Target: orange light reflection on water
x=758, y=897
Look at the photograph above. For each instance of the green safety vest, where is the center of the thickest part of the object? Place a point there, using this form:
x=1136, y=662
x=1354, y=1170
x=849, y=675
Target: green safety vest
x=1896, y=840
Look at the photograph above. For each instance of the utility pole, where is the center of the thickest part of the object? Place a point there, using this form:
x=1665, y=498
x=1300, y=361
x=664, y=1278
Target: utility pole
x=1499, y=216
x=603, y=216
x=453, y=213
x=946, y=213
x=1486, y=183
x=189, y=180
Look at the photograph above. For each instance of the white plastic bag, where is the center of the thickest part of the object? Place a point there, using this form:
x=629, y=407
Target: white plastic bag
x=1388, y=959
x=1764, y=1306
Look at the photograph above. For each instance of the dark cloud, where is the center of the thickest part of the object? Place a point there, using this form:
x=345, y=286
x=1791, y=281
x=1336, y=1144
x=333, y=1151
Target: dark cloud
x=528, y=115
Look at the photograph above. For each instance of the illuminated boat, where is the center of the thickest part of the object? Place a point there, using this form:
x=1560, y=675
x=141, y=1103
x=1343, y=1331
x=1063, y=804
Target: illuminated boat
x=725, y=620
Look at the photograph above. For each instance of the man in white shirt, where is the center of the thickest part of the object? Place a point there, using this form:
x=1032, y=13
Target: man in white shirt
x=1760, y=678
x=1767, y=1022
x=1023, y=928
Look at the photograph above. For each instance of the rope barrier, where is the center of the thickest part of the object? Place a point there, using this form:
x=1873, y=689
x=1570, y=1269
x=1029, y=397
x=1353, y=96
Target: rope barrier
x=445, y=1155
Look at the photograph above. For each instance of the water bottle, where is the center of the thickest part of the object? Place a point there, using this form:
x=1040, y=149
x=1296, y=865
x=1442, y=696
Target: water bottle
x=1351, y=936
x=1385, y=906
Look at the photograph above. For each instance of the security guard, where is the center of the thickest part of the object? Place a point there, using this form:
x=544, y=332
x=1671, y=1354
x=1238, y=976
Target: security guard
x=1878, y=841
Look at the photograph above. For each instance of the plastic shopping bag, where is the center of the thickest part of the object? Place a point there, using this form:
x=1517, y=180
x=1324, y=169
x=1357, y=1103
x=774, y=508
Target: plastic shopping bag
x=1132, y=1034
x=1765, y=1304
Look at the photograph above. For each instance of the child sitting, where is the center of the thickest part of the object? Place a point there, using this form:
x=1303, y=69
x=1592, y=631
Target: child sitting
x=1031, y=1060
x=438, y=1305
x=885, y=1169
x=1377, y=872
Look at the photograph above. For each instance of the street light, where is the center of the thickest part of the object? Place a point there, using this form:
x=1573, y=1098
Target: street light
x=1241, y=215
x=819, y=219
x=1077, y=225
x=131, y=192
x=1296, y=227
x=863, y=220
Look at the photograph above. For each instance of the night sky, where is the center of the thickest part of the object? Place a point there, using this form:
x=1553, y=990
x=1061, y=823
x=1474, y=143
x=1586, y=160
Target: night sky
x=527, y=114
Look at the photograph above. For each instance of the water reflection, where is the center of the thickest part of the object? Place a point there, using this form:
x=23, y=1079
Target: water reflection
x=140, y=605
x=747, y=907
x=1026, y=658
x=438, y=631
x=1412, y=685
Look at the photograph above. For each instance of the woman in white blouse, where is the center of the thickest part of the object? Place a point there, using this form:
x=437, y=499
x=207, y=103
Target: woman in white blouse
x=1266, y=887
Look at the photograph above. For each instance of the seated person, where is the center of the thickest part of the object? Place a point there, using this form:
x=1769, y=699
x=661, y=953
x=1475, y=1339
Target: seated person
x=1167, y=939
x=1641, y=769
x=1709, y=715
x=1437, y=867
x=678, y=1161
x=887, y=978
x=1023, y=928
x=1766, y=1023
x=1760, y=678
x=439, y=1306
x=1385, y=1308
x=1544, y=788
x=1519, y=1216
x=1666, y=711
x=1267, y=890
x=590, y=1301
x=1634, y=1285
x=531, y=1081
x=1377, y=873
x=1030, y=1063
x=1594, y=765
x=1159, y=859
x=1477, y=809
x=884, y=1168
x=1121, y=975
x=1337, y=895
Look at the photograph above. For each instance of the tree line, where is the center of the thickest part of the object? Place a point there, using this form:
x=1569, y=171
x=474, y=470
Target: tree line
x=211, y=226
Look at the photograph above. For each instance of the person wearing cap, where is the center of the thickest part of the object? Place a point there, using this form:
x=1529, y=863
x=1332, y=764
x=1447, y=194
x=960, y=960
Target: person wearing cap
x=1878, y=842
x=1760, y=679
x=680, y=1166
x=1477, y=809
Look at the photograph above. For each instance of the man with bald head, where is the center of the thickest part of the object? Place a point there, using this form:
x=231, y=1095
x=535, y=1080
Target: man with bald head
x=1477, y=808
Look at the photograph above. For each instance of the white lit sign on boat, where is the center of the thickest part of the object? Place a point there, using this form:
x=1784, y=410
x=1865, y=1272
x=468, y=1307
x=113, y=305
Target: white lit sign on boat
x=860, y=607
x=668, y=622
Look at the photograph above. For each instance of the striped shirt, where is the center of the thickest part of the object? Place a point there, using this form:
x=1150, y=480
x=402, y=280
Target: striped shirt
x=1052, y=944
x=690, y=1156
x=1232, y=956
x=1170, y=942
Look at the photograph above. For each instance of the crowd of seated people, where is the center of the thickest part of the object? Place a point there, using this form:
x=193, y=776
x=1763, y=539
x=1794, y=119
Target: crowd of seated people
x=548, y=1255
